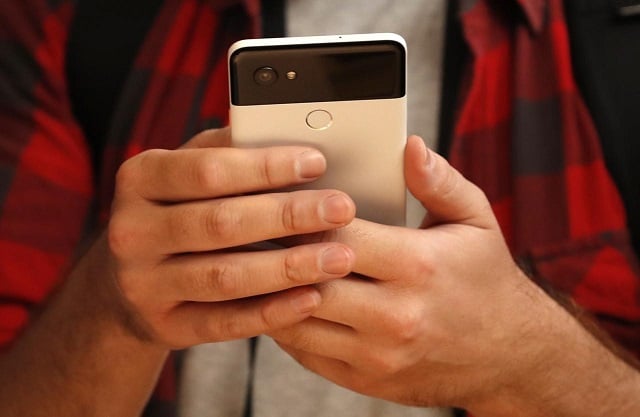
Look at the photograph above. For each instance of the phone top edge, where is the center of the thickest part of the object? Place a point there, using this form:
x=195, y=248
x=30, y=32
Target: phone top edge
x=322, y=102
x=319, y=102
x=322, y=39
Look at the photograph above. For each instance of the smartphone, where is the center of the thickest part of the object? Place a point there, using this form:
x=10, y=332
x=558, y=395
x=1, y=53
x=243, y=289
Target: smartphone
x=344, y=95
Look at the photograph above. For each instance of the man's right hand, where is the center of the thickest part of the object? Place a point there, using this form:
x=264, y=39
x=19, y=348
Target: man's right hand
x=179, y=219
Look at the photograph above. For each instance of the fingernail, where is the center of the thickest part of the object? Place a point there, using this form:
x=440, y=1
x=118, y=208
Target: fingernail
x=310, y=164
x=426, y=153
x=336, y=209
x=428, y=158
x=335, y=260
x=307, y=302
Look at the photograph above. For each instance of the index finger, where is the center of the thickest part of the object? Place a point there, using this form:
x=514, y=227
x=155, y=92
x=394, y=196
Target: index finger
x=202, y=173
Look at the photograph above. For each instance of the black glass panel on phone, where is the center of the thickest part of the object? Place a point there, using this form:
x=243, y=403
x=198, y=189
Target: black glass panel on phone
x=316, y=73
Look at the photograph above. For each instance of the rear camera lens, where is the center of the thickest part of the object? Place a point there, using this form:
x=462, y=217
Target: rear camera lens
x=265, y=76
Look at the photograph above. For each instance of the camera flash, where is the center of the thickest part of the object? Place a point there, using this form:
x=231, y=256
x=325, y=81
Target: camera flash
x=291, y=75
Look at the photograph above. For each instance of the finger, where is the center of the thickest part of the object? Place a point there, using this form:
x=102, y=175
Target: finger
x=228, y=276
x=398, y=313
x=223, y=223
x=348, y=302
x=383, y=252
x=320, y=337
x=442, y=190
x=335, y=370
x=213, y=322
x=371, y=379
x=340, y=372
x=211, y=138
x=327, y=366
x=190, y=174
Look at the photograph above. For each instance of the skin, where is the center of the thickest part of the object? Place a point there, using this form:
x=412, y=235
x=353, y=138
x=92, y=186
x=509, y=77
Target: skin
x=454, y=321
x=161, y=277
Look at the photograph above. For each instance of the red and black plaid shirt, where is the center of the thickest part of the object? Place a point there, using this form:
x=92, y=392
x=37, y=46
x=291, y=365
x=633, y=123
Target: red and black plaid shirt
x=526, y=138
x=523, y=135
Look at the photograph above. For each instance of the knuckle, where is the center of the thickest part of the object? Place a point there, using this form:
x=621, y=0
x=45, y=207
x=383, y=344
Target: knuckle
x=426, y=266
x=448, y=183
x=222, y=222
x=271, y=316
x=291, y=268
x=478, y=201
x=220, y=281
x=329, y=290
x=219, y=328
x=406, y=324
x=206, y=172
x=129, y=174
x=290, y=218
x=267, y=171
x=232, y=328
x=121, y=236
x=267, y=317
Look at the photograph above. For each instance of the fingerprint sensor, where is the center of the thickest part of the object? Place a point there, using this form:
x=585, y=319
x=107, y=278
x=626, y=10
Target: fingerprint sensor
x=319, y=119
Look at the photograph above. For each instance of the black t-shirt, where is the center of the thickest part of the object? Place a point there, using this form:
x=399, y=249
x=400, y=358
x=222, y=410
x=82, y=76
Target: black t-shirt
x=103, y=42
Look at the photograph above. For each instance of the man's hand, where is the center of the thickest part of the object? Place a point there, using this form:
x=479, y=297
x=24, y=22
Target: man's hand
x=443, y=316
x=179, y=218
x=168, y=273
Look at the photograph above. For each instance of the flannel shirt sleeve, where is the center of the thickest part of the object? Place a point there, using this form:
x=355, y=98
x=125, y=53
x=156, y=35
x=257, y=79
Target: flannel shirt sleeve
x=45, y=172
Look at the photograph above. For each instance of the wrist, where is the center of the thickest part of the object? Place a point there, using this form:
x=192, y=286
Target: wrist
x=79, y=356
x=560, y=369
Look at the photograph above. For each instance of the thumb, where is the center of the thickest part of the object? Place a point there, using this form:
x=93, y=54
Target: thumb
x=442, y=190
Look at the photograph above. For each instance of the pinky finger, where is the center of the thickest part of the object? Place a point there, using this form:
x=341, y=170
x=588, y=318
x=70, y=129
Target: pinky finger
x=350, y=377
x=197, y=322
x=335, y=370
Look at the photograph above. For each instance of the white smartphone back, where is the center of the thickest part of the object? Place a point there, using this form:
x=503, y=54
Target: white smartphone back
x=362, y=139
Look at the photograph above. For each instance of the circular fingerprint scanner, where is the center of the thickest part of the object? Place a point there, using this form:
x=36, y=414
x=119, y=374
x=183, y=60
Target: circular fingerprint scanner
x=319, y=119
